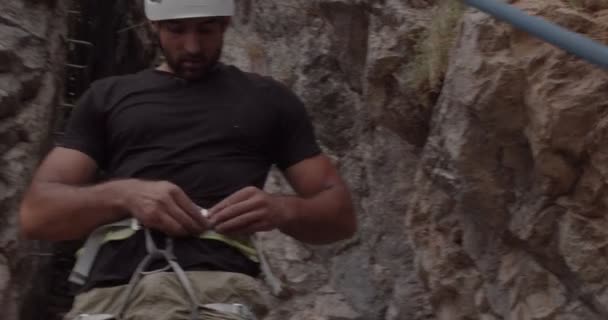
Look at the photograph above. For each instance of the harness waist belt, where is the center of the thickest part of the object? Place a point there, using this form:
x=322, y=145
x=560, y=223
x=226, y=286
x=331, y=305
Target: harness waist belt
x=124, y=229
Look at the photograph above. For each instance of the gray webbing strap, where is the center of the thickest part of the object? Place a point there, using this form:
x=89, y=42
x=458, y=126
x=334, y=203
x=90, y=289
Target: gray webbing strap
x=229, y=311
x=83, y=264
x=154, y=253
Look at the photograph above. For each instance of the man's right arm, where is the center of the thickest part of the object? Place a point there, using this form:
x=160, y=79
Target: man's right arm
x=62, y=203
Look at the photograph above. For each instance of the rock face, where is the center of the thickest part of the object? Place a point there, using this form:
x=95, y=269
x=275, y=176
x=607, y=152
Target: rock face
x=31, y=64
x=508, y=220
x=475, y=153
x=348, y=61
x=479, y=178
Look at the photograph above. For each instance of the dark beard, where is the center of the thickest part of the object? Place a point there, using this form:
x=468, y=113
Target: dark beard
x=208, y=64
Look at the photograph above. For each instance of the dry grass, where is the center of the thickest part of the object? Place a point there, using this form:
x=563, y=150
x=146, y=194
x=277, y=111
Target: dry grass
x=432, y=50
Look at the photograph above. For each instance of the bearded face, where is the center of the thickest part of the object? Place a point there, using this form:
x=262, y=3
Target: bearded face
x=191, y=46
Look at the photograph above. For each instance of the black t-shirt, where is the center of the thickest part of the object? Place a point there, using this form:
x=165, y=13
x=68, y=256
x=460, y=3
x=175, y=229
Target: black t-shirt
x=211, y=137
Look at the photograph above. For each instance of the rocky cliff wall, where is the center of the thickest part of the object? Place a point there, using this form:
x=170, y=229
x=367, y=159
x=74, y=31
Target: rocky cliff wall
x=475, y=154
x=508, y=220
x=31, y=64
x=349, y=62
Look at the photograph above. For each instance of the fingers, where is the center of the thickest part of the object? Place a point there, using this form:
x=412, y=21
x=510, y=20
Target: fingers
x=234, y=198
x=173, y=228
x=183, y=218
x=164, y=223
x=190, y=209
x=240, y=222
x=233, y=211
x=246, y=224
x=246, y=211
x=165, y=207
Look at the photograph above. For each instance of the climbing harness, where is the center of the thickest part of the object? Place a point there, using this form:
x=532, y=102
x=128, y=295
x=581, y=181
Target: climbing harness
x=198, y=311
x=124, y=229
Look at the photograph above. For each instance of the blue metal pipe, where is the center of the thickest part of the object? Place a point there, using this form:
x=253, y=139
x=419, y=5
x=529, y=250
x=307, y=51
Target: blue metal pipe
x=565, y=39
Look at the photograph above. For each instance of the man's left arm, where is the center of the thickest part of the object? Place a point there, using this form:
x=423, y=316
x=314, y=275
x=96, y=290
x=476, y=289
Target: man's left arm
x=320, y=213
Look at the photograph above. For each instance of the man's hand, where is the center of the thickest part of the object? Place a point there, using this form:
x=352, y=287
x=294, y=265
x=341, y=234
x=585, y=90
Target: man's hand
x=163, y=206
x=247, y=211
x=320, y=213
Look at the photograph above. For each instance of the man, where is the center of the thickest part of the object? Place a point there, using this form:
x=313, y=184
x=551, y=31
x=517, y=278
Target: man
x=192, y=133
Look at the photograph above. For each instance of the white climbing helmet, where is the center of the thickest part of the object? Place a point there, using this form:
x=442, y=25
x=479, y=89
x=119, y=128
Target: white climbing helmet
x=181, y=9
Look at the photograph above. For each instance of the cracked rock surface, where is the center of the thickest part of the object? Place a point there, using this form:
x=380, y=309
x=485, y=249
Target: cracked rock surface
x=480, y=192
x=31, y=65
x=489, y=204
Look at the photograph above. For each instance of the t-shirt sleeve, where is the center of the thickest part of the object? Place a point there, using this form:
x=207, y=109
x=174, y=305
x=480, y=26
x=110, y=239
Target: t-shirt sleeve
x=295, y=139
x=85, y=130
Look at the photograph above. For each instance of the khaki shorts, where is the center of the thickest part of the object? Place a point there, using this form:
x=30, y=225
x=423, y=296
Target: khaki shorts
x=159, y=296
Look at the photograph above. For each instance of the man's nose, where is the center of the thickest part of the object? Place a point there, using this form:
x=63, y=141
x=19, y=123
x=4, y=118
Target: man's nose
x=192, y=43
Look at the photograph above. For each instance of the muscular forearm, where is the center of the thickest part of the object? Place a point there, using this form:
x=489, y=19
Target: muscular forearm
x=55, y=211
x=324, y=218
